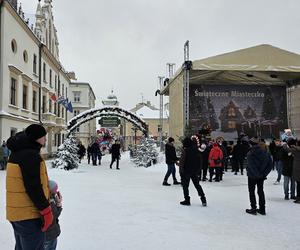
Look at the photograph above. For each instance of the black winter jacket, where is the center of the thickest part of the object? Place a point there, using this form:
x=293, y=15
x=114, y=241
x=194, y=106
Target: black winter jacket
x=26, y=153
x=190, y=161
x=170, y=152
x=259, y=163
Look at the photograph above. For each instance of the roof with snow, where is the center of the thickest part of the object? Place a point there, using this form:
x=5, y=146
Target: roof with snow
x=146, y=112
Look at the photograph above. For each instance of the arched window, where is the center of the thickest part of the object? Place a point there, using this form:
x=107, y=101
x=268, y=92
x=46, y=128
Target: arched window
x=25, y=56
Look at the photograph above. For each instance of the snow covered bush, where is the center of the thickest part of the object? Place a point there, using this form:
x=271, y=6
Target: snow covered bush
x=66, y=156
x=145, y=153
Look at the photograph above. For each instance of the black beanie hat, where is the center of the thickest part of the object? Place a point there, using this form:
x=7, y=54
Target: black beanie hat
x=35, y=131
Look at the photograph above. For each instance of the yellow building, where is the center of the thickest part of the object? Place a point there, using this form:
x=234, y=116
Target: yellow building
x=150, y=115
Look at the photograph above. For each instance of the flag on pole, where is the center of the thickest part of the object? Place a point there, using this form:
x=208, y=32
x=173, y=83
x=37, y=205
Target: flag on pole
x=69, y=107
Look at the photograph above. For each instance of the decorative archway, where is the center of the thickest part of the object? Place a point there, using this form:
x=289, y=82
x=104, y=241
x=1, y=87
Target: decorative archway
x=107, y=112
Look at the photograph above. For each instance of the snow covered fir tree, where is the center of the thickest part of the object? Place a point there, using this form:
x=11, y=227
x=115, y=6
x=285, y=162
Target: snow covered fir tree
x=66, y=156
x=145, y=153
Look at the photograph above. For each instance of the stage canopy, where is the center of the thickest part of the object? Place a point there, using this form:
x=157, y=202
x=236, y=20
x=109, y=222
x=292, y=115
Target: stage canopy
x=262, y=64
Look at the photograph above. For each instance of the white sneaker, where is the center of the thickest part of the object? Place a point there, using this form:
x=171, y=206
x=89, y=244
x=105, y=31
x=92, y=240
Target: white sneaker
x=276, y=183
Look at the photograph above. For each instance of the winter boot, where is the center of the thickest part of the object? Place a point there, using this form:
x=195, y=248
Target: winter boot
x=261, y=211
x=251, y=211
x=286, y=197
x=297, y=200
x=203, y=200
x=176, y=182
x=186, y=202
x=165, y=183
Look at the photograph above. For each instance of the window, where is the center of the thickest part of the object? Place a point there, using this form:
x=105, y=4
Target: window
x=231, y=124
x=66, y=92
x=50, y=78
x=62, y=113
x=231, y=112
x=13, y=131
x=55, y=108
x=77, y=129
x=76, y=96
x=25, y=56
x=76, y=112
x=50, y=106
x=44, y=72
x=34, y=95
x=63, y=89
x=34, y=63
x=44, y=104
x=13, y=91
x=55, y=83
x=14, y=46
x=25, y=88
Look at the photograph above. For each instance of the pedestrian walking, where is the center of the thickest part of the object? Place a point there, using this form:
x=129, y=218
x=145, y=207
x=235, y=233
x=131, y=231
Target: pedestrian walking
x=189, y=168
x=115, y=154
x=171, y=159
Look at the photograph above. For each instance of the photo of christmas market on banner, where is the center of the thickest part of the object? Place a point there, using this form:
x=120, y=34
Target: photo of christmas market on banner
x=63, y=101
x=230, y=111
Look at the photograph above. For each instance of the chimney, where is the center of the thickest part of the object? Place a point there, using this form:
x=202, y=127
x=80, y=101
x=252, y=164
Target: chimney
x=71, y=75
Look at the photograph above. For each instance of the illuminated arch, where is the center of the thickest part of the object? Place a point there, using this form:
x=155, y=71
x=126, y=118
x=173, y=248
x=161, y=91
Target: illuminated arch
x=107, y=112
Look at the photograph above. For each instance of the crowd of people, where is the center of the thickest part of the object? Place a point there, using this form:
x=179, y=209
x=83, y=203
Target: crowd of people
x=33, y=202
x=94, y=153
x=203, y=160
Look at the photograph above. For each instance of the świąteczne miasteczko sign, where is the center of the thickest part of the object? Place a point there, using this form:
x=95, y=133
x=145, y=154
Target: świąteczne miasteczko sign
x=229, y=110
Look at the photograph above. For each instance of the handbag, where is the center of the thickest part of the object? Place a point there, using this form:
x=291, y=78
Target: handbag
x=217, y=161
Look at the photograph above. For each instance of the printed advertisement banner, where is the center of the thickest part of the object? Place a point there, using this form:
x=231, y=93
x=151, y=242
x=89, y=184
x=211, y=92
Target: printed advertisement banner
x=230, y=110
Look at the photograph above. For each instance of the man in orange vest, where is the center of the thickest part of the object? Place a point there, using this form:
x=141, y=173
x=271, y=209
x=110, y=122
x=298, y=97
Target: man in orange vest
x=27, y=192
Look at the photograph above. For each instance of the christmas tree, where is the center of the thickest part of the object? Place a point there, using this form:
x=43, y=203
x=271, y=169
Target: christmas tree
x=66, y=156
x=145, y=153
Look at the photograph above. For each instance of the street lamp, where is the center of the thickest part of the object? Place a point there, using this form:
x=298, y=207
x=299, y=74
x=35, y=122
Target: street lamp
x=160, y=126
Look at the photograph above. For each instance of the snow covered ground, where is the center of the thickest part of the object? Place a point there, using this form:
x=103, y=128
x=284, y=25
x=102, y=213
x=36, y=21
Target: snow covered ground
x=130, y=209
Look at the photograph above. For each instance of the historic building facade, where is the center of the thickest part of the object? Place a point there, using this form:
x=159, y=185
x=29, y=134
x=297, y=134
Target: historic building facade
x=31, y=73
x=83, y=99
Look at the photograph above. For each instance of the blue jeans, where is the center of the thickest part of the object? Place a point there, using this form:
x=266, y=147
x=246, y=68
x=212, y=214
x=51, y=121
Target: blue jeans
x=286, y=182
x=171, y=170
x=278, y=166
x=50, y=245
x=28, y=234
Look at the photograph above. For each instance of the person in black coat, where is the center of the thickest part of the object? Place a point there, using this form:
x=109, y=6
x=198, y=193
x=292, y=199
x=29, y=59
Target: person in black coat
x=171, y=159
x=189, y=169
x=115, y=153
x=95, y=151
x=81, y=151
x=258, y=167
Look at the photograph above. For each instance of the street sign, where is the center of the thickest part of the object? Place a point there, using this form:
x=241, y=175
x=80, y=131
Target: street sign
x=109, y=122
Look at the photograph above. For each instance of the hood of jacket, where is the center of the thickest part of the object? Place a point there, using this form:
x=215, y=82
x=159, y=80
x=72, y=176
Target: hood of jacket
x=20, y=142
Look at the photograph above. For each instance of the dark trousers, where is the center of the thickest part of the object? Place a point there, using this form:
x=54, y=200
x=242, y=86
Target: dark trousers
x=260, y=191
x=113, y=159
x=171, y=170
x=89, y=158
x=185, y=182
x=239, y=164
x=298, y=189
x=203, y=172
x=217, y=171
x=94, y=158
x=28, y=235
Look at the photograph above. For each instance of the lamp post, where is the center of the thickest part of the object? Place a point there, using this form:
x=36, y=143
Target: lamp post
x=161, y=106
x=187, y=66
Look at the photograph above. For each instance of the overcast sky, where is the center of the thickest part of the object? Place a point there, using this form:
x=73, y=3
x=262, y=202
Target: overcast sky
x=125, y=44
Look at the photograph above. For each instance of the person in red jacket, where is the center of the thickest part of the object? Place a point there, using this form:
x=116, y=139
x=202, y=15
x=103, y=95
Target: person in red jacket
x=215, y=161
